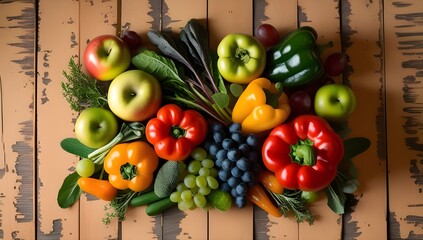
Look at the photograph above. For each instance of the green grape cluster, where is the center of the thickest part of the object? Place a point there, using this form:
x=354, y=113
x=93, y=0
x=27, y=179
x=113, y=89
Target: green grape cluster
x=198, y=183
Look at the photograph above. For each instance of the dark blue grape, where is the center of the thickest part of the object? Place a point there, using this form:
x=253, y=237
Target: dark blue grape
x=241, y=188
x=227, y=164
x=218, y=162
x=218, y=136
x=221, y=154
x=215, y=126
x=247, y=177
x=240, y=201
x=244, y=149
x=253, y=141
x=225, y=187
x=213, y=149
x=234, y=193
x=236, y=172
x=234, y=154
x=234, y=127
x=228, y=143
x=233, y=181
x=237, y=136
x=243, y=164
x=224, y=175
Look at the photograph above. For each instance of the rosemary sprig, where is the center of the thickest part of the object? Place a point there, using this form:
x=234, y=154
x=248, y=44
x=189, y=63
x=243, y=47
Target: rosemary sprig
x=80, y=90
x=291, y=200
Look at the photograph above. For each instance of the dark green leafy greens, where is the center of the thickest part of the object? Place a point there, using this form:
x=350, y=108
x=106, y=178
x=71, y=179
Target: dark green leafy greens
x=346, y=181
x=186, y=71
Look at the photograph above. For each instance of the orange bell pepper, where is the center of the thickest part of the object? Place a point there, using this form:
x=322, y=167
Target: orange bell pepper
x=131, y=165
x=260, y=107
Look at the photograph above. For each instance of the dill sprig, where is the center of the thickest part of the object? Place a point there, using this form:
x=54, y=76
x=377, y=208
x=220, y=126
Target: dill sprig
x=80, y=90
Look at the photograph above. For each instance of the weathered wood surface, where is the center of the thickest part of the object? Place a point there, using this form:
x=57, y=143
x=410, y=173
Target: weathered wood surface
x=382, y=38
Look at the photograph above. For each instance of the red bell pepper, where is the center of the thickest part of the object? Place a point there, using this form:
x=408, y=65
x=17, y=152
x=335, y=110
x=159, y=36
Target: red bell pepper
x=303, y=154
x=176, y=132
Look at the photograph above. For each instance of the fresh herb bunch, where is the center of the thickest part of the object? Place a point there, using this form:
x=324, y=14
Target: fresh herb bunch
x=82, y=91
x=187, y=70
x=291, y=200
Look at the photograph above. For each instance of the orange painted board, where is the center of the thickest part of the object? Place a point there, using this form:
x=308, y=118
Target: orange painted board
x=327, y=26
x=231, y=17
x=189, y=224
x=234, y=16
x=96, y=18
x=283, y=16
x=53, y=125
x=362, y=40
x=403, y=64
x=138, y=16
x=17, y=89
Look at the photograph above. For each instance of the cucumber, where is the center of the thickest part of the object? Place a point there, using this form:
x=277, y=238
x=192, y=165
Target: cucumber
x=144, y=199
x=159, y=206
x=168, y=177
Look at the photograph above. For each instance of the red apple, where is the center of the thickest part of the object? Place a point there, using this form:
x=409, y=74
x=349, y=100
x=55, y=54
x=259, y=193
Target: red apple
x=106, y=56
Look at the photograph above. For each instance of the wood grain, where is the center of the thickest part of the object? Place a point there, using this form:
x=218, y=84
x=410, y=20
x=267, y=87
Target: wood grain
x=17, y=78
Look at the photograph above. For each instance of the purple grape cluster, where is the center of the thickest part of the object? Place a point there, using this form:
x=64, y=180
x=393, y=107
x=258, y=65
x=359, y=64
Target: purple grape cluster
x=236, y=158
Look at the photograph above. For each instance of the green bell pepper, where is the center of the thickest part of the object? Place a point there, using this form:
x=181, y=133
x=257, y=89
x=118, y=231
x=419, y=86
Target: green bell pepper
x=242, y=58
x=295, y=60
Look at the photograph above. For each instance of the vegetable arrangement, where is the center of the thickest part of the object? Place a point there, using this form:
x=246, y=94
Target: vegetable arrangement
x=186, y=126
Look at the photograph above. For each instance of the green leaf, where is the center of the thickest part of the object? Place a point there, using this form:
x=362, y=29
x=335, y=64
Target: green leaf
x=221, y=99
x=355, y=146
x=336, y=198
x=236, y=89
x=69, y=192
x=74, y=146
x=160, y=67
x=350, y=186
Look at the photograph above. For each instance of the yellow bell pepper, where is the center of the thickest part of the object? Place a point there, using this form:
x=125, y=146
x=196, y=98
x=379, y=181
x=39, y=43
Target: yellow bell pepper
x=260, y=107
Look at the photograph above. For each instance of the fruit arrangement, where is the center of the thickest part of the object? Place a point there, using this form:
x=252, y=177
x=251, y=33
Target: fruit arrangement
x=258, y=120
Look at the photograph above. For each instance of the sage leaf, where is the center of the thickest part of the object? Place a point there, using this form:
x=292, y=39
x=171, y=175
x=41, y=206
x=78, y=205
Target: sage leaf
x=236, y=89
x=221, y=99
x=336, y=199
x=355, y=146
x=74, y=146
x=69, y=192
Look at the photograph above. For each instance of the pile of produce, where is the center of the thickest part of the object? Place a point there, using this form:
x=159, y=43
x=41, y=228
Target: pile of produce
x=258, y=120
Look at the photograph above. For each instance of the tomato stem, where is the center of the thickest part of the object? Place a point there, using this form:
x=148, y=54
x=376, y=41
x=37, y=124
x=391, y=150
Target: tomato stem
x=177, y=132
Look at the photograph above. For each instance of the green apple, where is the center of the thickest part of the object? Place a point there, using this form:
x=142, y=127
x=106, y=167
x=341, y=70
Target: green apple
x=106, y=56
x=134, y=95
x=95, y=127
x=334, y=102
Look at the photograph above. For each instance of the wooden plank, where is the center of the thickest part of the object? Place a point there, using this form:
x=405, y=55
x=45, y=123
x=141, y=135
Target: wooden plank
x=282, y=15
x=362, y=38
x=53, y=56
x=141, y=16
x=96, y=18
x=327, y=25
x=403, y=67
x=189, y=224
x=232, y=17
x=17, y=78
